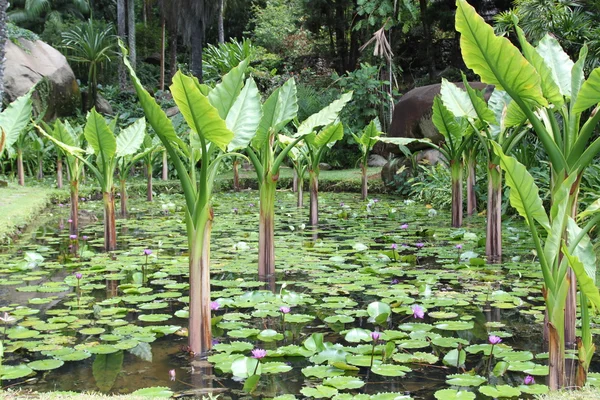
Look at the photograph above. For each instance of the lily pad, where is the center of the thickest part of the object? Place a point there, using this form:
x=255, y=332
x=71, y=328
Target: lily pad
x=45, y=365
x=157, y=392
x=465, y=380
x=451, y=394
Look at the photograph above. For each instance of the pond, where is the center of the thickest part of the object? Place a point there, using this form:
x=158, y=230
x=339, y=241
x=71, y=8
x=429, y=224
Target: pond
x=385, y=299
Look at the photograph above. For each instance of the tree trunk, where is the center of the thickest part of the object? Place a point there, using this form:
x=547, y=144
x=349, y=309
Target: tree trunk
x=471, y=195
x=59, y=173
x=165, y=166
x=295, y=181
x=556, y=359
x=40, y=173
x=123, y=198
x=131, y=32
x=364, y=188
x=340, y=38
x=236, y=175
x=314, y=197
x=200, y=335
x=161, y=84
x=149, y=182
x=493, y=240
x=456, y=170
x=220, y=28
x=110, y=226
x=300, y=192
x=74, y=225
x=122, y=33
x=172, y=52
x=266, y=228
x=427, y=37
x=20, y=170
x=196, y=44
x=3, y=39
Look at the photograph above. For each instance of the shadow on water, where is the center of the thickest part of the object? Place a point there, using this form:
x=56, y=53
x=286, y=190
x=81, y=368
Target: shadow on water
x=347, y=243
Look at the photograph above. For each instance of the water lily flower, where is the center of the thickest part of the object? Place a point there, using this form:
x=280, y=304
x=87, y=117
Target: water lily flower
x=84, y=238
x=284, y=309
x=78, y=275
x=214, y=305
x=494, y=339
x=172, y=374
x=529, y=380
x=395, y=281
x=251, y=205
x=419, y=245
x=6, y=318
x=69, y=220
x=404, y=226
x=394, y=246
x=61, y=205
x=147, y=252
x=342, y=204
x=458, y=246
x=375, y=200
x=72, y=237
x=235, y=210
x=259, y=353
x=418, y=311
x=375, y=336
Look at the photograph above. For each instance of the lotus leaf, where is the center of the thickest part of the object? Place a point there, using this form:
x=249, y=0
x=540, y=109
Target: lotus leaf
x=319, y=392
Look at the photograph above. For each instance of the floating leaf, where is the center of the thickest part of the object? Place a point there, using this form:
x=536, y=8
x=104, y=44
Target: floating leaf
x=451, y=394
x=390, y=369
x=45, y=365
x=154, y=392
x=464, y=380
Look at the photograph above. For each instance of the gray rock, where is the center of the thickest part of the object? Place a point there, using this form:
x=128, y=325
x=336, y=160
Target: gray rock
x=412, y=117
x=29, y=63
x=325, y=167
x=375, y=160
x=103, y=106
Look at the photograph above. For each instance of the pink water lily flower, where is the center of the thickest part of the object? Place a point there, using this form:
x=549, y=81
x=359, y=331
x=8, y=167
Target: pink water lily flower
x=418, y=311
x=493, y=339
x=259, y=353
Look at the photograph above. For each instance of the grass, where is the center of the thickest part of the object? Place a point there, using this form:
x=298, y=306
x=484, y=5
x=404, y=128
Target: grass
x=588, y=393
x=20, y=205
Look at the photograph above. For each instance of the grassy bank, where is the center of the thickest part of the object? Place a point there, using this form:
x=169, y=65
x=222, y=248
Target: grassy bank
x=587, y=393
x=20, y=206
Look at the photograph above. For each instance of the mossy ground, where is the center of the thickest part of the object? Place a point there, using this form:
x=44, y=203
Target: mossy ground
x=19, y=206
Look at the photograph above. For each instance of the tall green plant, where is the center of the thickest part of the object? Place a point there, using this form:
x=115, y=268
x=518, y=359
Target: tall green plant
x=150, y=147
x=89, y=45
x=226, y=116
x=135, y=134
x=366, y=141
x=13, y=121
x=107, y=150
x=550, y=92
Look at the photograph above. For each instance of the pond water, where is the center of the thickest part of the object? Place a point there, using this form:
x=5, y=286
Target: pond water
x=120, y=327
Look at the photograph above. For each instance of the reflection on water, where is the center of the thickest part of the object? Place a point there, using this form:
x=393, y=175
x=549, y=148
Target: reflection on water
x=304, y=261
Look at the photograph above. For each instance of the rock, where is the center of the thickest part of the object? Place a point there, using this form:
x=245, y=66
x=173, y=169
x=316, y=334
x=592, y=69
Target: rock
x=103, y=106
x=29, y=63
x=325, y=167
x=397, y=171
x=412, y=117
x=375, y=160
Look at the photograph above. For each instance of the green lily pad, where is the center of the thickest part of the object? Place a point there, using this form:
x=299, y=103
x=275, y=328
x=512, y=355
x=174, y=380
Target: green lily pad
x=157, y=392
x=499, y=391
x=319, y=392
x=534, y=389
x=76, y=355
x=102, y=349
x=344, y=382
x=321, y=371
x=390, y=369
x=269, y=335
x=451, y=394
x=465, y=380
x=8, y=372
x=154, y=317
x=45, y=365
x=275, y=367
x=454, y=325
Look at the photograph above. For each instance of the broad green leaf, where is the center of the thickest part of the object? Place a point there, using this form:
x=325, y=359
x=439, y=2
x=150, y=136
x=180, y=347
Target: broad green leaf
x=197, y=111
x=106, y=368
x=481, y=108
x=154, y=114
x=99, y=135
x=558, y=215
x=515, y=115
x=584, y=250
x=402, y=141
x=15, y=118
x=329, y=135
x=577, y=79
x=586, y=284
x=279, y=109
x=592, y=209
x=325, y=116
x=524, y=193
x=495, y=59
x=368, y=137
x=130, y=139
x=244, y=116
x=62, y=134
x=560, y=65
x=498, y=103
x=447, y=125
x=589, y=94
x=456, y=100
x=226, y=92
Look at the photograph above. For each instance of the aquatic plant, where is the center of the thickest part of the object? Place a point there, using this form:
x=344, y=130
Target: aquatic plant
x=13, y=121
x=366, y=141
x=226, y=117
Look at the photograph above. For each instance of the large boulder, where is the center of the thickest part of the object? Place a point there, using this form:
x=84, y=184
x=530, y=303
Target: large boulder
x=412, y=117
x=28, y=63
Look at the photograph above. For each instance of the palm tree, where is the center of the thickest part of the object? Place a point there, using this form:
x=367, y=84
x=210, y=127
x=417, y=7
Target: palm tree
x=3, y=37
x=92, y=46
x=194, y=16
x=33, y=14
